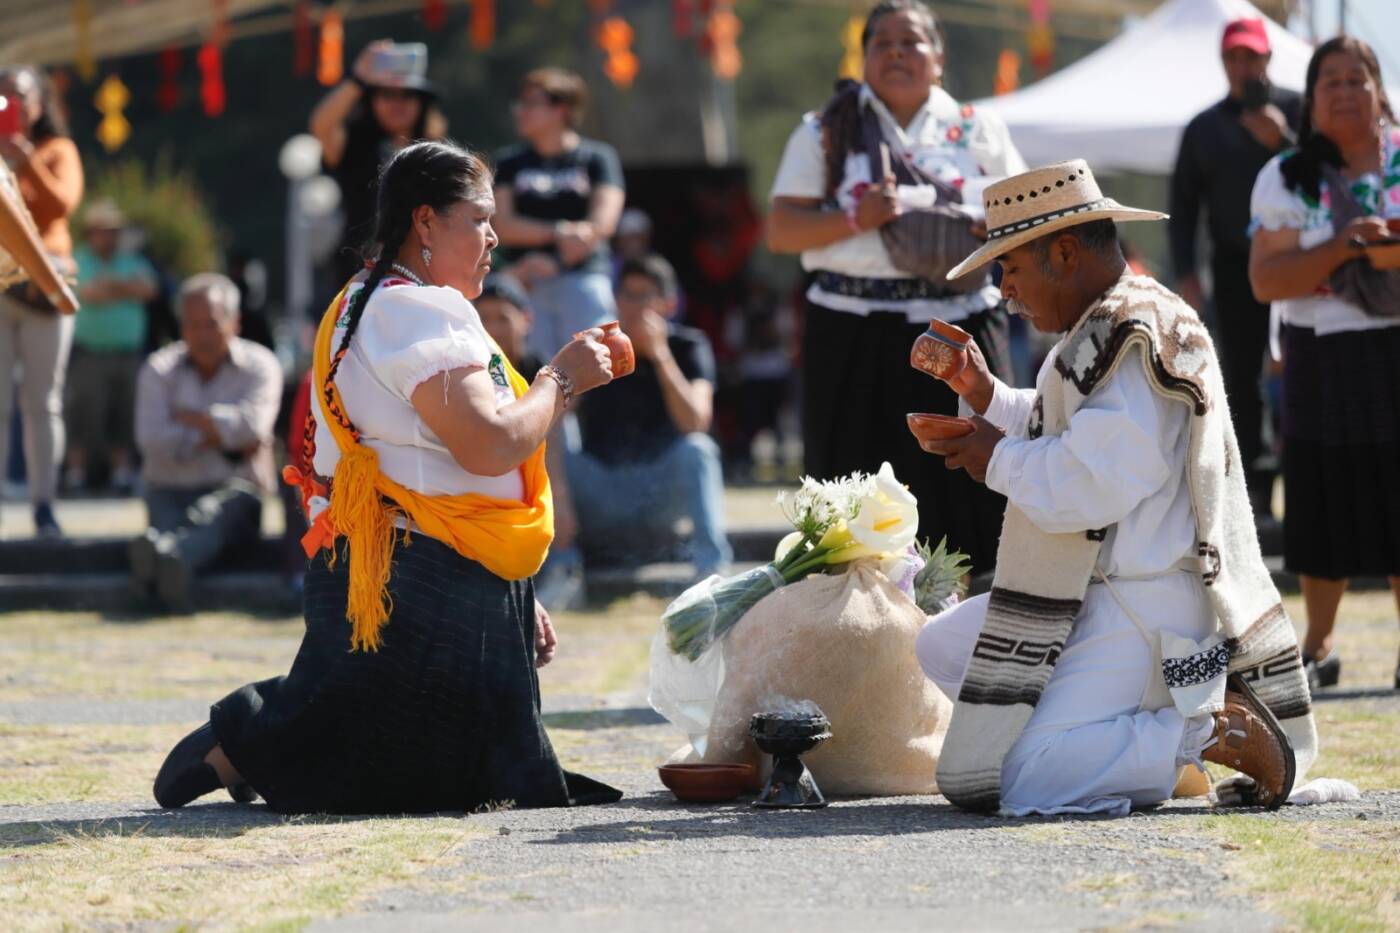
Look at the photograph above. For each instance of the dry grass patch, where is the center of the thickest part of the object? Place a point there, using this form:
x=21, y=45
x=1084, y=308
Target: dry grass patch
x=1328, y=875
x=81, y=764
x=219, y=877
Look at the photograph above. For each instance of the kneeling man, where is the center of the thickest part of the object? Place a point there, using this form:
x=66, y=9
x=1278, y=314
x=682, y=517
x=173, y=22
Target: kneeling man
x=1132, y=627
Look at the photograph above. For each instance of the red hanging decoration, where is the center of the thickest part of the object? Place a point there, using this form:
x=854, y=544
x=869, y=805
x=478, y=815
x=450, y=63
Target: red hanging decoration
x=168, y=94
x=683, y=18
x=330, y=63
x=483, y=27
x=211, y=85
x=302, y=57
x=434, y=14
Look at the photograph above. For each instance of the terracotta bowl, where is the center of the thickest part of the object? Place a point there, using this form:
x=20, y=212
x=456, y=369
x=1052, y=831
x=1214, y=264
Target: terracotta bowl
x=940, y=351
x=708, y=783
x=938, y=427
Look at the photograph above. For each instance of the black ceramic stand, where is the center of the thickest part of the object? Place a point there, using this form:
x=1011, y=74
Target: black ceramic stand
x=786, y=738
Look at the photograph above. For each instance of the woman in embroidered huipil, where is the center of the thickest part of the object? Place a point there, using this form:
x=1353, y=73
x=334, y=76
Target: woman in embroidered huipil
x=863, y=313
x=1341, y=377
x=439, y=514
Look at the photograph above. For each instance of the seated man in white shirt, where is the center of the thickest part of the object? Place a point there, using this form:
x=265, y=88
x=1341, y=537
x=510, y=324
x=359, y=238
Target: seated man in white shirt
x=205, y=411
x=1131, y=610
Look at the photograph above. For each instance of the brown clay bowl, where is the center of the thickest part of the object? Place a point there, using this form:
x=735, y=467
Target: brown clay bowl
x=708, y=783
x=940, y=351
x=927, y=427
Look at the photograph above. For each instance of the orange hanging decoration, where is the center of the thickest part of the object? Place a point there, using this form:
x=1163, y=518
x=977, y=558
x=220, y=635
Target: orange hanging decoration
x=1040, y=39
x=853, y=58
x=330, y=62
x=211, y=85
x=615, y=37
x=168, y=94
x=1008, y=72
x=111, y=99
x=723, y=30
x=301, y=39
x=483, y=27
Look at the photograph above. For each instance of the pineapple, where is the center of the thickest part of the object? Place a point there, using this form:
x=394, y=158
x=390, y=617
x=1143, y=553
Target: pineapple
x=940, y=583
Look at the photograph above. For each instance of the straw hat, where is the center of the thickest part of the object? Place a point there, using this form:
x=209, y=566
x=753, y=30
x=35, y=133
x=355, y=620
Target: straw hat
x=1028, y=206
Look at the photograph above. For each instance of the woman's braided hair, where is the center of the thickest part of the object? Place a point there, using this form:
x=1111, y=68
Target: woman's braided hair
x=841, y=117
x=1303, y=169
x=437, y=174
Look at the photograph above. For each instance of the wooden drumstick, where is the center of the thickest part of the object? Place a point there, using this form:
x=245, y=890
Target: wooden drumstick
x=19, y=238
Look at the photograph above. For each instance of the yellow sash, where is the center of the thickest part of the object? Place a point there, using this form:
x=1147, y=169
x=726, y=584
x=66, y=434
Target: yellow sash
x=508, y=537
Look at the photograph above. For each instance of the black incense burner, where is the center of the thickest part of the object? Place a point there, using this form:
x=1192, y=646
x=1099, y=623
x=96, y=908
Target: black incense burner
x=786, y=736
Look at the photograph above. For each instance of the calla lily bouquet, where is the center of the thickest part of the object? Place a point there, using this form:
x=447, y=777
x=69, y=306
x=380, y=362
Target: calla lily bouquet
x=833, y=522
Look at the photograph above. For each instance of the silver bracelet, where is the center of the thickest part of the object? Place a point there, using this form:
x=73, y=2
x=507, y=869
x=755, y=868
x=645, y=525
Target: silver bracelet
x=566, y=385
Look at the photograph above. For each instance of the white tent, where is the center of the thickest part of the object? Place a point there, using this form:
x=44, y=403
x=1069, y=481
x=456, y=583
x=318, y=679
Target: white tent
x=1124, y=106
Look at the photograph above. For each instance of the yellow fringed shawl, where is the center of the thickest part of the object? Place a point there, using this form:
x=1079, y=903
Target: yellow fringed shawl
x=508, y=537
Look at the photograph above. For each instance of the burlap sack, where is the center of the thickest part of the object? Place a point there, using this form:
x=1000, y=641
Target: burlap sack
x=845, y=642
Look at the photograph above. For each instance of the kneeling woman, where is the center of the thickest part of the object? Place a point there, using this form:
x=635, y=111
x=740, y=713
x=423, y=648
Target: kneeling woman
x=415, y=686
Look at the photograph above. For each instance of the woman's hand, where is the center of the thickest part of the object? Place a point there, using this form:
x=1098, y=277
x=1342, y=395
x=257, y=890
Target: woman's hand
x=1365, y=229
x=878, y=205
x=975, y=383
x=546, y=642
x=586, y=361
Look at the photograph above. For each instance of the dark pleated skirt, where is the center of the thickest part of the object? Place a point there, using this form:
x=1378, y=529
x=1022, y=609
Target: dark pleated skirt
x=858, y=385
x=1341, y=455
x=444, y=716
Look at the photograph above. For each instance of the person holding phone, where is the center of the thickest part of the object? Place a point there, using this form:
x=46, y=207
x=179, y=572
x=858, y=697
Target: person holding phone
x=385, y=104
x=35, y=144
x=1221, y=152
x=1341, y=351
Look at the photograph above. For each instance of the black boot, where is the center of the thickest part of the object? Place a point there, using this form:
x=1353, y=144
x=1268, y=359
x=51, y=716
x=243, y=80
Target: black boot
x=185, y=774
x=1324, y=673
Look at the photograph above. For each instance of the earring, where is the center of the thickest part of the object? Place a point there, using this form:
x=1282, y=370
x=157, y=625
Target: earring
x=427, y=256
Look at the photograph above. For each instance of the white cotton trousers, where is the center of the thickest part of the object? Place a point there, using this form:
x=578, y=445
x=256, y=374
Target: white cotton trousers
x=1089, y=747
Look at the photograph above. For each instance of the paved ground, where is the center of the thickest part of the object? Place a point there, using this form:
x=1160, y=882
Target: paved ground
x=88, y=705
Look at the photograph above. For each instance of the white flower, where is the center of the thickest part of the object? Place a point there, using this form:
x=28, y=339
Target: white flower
x=887, y=519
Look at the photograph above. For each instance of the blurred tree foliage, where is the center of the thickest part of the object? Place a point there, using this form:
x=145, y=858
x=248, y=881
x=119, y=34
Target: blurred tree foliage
x=182, y=235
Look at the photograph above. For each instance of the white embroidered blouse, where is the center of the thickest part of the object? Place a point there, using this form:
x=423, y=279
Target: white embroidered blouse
x=407, y=335
x=966, y=148
x=1274, y=207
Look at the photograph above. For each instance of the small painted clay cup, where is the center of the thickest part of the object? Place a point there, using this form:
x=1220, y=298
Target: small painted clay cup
x=928, y=427
x=624, y=357
x=940, y=351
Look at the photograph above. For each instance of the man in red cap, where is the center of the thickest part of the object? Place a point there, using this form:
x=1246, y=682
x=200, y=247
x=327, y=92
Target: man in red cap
x=1222, y=151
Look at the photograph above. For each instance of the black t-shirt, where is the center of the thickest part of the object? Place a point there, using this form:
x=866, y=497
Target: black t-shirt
x=559, y=187
x=528, y=366
x=626, y=420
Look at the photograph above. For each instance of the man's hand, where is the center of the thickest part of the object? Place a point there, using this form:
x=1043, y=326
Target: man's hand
x=972, y=452
x=546, y=642
x=975, y=382
x=16, y=150
x=1268, y=125
x=576, y=241
x=649, y=338
x=204, y=424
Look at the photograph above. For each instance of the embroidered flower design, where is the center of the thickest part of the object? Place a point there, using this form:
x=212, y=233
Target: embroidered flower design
x=966, y=111
x=858, y=190
x=955, y=133
x=497, y=368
